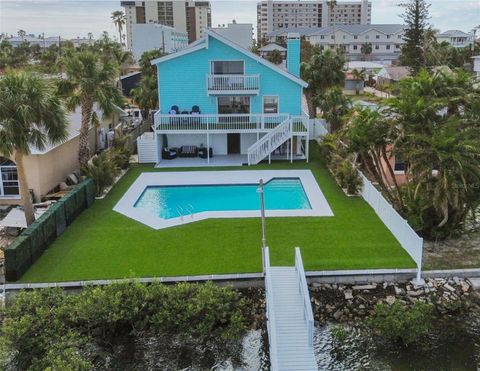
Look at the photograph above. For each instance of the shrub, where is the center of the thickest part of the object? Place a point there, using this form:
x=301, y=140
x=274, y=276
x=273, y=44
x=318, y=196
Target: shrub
x=347, y=176
x=103, y=170
x=401, y=323
x=120, y=152
x=51, y=329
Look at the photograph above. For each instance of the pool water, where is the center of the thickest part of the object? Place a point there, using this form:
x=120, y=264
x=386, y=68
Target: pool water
x=173, y=201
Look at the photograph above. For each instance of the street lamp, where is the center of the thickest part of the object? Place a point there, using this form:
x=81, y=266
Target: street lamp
x=261, y=191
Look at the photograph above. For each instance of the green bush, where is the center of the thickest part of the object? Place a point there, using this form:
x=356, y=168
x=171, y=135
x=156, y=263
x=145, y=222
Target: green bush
x=120, y=153
x=403, y=324
x=348, y=178
x=43, y=329
x=18, y=258
x=103, y=170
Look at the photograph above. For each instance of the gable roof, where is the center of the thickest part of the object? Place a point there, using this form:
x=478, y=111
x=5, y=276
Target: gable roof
x=353, y=29
x=272, y=47
x=203, y=44
x=454, y=33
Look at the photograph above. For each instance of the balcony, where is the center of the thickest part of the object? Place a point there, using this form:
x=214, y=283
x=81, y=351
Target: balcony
x=233, y=84
x=226, y=123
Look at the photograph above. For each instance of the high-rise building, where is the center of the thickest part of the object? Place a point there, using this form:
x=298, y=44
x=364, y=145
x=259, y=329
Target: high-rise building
x=185, y=16
x=275, y=15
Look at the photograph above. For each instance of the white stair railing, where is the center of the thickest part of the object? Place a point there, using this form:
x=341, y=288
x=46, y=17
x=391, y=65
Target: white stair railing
x=270, y=142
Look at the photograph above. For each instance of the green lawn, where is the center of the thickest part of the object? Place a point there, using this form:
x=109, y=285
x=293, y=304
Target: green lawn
x=102, y=244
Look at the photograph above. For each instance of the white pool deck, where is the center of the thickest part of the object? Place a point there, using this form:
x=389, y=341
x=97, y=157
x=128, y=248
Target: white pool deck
x=126, y=205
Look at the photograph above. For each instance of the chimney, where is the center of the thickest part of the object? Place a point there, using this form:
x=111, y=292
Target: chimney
x=293, y=53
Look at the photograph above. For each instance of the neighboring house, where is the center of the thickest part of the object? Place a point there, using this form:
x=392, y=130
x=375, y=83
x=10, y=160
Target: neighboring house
x=44, y=43
x=46, y=168
x=391, y=75
x=476, y=65
x=129, y=82
x=152, y=36
x=267, y=49
x=232, y=101
x=456, y=38
x=386, y=40
x=352, y=84
x=239, y=33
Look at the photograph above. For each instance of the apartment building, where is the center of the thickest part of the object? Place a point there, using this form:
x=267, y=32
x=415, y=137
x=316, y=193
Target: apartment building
x=239, y=33
x=385, y=40
x=149, y=36
x=276, y=15
x=191, y=17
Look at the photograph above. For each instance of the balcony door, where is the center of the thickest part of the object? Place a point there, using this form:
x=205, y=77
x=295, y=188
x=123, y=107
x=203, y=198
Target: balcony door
x=227, y=68
x=233, y=104
x=228, y=75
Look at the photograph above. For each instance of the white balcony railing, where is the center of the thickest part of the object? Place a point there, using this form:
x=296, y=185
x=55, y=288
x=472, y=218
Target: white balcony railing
x=226, y=84
x=219, y=123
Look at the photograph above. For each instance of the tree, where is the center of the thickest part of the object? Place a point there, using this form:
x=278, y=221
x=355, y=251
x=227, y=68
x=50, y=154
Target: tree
x=22, y=34
x=416, y=20
x=275, y=57
x=31, y=115
x=118, y=18
x=89, y=81
x=334, y=106
x=366, y=50
x=307, y=50
x=145, y=95
x=322, y=72
x=359, y=76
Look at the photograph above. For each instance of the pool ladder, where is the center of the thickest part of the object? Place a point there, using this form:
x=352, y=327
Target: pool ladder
x=183, y=212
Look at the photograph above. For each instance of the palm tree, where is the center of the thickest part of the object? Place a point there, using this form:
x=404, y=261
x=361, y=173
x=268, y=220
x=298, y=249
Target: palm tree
x=331, y=5
x=334, y=106
x=323, y=71
x=89, y=81
x=358, y=75
x=118, y=18
x=31, y=115
x=366, y=50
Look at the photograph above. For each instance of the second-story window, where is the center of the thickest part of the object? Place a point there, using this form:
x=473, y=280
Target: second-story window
x=227, y=67
x=270, y=104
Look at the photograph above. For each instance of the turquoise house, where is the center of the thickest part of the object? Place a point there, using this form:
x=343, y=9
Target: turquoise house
x=218, y=99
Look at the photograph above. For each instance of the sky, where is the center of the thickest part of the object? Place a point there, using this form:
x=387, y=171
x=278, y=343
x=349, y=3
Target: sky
x=72, y=18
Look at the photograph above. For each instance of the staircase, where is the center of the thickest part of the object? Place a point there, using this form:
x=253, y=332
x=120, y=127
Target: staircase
x=270, y=142
x=289, y=315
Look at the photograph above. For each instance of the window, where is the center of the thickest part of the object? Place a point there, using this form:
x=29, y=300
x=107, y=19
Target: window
x=399, y=165
x=388, y=47
x=9, y=185
x=355, y=37
x=227, y=67
x=377, y=36
x=355, y=47
x=270, y=104
x=377, y=47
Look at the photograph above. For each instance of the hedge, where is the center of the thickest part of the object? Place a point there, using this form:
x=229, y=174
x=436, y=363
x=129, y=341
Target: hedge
x=34, y=240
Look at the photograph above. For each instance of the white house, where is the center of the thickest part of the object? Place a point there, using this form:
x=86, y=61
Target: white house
x=476, y=65
x=456, y=38
x=386, y=40
x=150, y=36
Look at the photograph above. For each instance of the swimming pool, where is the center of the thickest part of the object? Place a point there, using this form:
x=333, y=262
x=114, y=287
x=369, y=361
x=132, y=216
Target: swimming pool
x=166, y=199
x=175, y=201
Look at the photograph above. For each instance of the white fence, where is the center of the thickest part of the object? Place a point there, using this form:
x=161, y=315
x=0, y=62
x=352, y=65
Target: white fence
x=408, y=238
x=147, y=148
x=318, y=128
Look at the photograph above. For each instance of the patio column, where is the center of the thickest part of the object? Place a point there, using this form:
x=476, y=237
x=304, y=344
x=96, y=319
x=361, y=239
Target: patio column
x=291, y=149
x=208, y=148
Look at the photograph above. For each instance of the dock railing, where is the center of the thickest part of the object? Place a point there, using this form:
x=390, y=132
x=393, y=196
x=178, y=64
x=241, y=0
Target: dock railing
x=272, y=332
x=303, y=287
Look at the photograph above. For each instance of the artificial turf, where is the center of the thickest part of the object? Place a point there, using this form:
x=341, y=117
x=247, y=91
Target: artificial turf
x=103, y=244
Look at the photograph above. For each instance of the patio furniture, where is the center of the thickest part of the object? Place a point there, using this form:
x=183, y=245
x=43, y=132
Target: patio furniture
x=202, y=152
x=174, y=110
x=168, y=154
x=195, y=110
x=188, y=151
